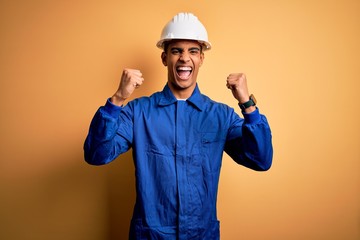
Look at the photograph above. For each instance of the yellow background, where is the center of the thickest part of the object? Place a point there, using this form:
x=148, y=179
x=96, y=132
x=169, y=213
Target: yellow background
x=60, y=60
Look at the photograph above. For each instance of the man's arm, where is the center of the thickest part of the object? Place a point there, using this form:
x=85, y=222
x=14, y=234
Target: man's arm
x=111, y=129
x=251, y=142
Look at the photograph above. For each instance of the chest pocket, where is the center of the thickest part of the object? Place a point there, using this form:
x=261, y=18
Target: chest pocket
x=210, y=137
x=212, y=146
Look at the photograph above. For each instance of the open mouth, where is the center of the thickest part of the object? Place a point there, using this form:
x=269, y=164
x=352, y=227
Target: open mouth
x=184, y=72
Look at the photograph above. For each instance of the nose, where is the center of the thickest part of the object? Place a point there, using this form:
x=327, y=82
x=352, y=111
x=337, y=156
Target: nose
x=185, y=56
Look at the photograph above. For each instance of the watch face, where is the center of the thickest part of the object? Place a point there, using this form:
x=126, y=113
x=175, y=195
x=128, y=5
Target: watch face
x=252, y=97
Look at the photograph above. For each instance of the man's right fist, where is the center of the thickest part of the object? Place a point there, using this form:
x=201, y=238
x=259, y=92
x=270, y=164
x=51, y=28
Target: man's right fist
x=130, y=80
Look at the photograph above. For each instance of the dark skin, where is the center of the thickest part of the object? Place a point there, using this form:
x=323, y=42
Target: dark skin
x=183, y=60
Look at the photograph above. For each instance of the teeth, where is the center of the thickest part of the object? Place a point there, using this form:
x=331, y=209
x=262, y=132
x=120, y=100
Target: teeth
x=184, y=68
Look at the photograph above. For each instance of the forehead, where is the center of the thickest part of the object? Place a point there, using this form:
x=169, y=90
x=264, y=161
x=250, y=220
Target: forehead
x=184, y=44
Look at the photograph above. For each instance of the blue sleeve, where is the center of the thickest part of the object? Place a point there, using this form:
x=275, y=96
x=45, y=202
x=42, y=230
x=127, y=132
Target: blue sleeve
x=110, y=134
x=250, y=141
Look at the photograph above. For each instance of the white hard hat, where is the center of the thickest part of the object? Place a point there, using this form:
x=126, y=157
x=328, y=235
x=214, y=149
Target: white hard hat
x=184, y=26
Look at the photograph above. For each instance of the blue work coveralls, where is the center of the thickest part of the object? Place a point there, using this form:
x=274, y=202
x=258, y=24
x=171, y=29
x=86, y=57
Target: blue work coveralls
x=177, y=151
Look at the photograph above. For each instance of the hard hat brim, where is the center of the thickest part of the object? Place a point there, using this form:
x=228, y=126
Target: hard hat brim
x=160, y=43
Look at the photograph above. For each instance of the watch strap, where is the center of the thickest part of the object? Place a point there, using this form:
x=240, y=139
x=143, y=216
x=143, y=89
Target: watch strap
x=251, y=102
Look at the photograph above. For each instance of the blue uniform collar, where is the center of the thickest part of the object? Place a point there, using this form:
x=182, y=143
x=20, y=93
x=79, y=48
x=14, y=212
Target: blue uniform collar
x=195, y=99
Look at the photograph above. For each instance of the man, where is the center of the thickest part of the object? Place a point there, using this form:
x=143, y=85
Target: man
x=178, y=137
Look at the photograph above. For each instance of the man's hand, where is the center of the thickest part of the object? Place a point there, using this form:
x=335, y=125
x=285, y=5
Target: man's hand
x=130, y=80
x=237, y=83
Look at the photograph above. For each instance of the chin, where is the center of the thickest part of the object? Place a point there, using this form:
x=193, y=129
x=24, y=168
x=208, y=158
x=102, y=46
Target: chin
x=185, y=83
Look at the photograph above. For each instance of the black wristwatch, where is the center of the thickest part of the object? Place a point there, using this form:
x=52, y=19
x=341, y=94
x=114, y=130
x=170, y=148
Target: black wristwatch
x=251, y=102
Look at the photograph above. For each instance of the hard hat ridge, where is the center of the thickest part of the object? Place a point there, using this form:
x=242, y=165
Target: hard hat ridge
x=180, y=17
x=184, y=26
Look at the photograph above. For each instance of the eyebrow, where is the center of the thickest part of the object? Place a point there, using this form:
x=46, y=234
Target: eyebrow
x=181, y=49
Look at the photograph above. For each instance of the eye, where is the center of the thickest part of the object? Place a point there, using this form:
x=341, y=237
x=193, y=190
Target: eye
x=175, y=51
x=194, y=51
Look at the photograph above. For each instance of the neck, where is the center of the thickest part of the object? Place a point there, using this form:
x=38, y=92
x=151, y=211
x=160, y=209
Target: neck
x=181, y=93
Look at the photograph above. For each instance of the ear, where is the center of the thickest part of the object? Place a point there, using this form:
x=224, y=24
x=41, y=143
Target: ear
x=163, y=58
x=202, y=57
